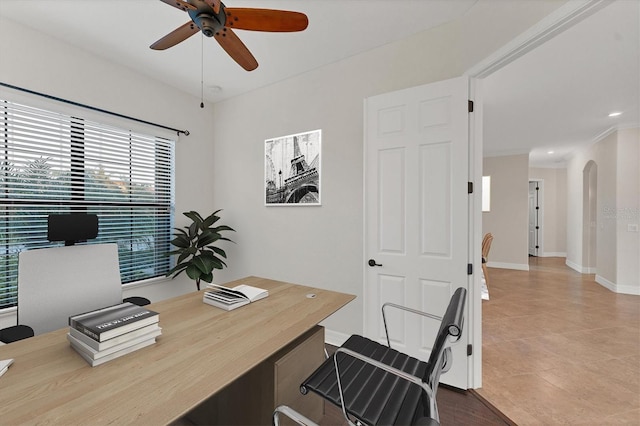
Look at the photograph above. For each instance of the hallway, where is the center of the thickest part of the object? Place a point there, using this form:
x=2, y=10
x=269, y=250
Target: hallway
x=558, y=348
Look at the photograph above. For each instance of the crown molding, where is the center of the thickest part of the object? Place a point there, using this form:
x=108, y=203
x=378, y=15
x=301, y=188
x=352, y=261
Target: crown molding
x=560, y=20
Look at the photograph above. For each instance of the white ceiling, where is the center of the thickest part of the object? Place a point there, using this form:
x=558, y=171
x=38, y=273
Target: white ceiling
x=555, y=97
x=558, y=96
x=122, y=31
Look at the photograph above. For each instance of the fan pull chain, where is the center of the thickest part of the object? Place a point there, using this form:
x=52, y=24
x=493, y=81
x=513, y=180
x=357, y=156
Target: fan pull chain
x=201, y=70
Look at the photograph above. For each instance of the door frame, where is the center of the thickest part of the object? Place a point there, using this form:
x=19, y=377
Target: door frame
x=540, y=218
x=589, y=218
x=475, y=236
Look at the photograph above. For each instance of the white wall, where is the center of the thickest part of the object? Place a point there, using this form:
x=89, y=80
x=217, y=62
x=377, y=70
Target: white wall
x=554, y=220
x=603, y=154
x=508, y=220
x=618, y=206
x=30, y=60
x=323, y=246
x=628, y=211
x=221, y=164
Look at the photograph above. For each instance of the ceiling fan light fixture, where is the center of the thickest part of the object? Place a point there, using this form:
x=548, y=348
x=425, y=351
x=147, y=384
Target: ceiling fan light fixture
x=210, y=17
x=207, y=25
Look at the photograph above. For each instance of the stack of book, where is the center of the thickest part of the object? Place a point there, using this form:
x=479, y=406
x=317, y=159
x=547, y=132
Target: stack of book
x=105, y=334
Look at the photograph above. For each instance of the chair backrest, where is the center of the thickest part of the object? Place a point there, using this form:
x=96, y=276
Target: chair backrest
x=486, y=245
x=450, y=329
x=55, y=283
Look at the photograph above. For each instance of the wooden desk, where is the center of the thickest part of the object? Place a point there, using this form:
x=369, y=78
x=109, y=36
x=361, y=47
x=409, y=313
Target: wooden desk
x=201, y=350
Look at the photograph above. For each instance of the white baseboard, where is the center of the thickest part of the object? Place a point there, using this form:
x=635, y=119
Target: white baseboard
x=621, y=289
x=504, y=265
x=627, y=289
x=606, y=283
x=574, y=266
x=335, y=338
x=580, y=268
x=553, y=254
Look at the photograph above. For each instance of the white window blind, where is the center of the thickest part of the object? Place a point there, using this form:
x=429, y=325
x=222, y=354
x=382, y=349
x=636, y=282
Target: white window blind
x=52, y=163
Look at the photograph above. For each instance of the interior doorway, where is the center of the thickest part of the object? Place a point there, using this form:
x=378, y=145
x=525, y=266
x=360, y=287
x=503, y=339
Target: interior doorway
x=558, y=21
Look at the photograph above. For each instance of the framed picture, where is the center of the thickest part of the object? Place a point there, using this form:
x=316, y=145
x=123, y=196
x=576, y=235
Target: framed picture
x=292, y=169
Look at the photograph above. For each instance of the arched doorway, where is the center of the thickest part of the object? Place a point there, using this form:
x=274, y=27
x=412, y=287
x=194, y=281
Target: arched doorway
x=589, y=217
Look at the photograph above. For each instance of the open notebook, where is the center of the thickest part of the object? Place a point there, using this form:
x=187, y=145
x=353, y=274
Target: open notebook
x=4, y=365
x=232, y=298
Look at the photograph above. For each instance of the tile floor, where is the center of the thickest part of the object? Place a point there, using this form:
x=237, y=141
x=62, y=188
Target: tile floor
x=558, y=348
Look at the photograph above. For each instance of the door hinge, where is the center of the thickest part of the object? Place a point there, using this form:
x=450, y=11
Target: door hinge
x=469, y=350
x=470, y=187
x=470, y=105
x=469, y=269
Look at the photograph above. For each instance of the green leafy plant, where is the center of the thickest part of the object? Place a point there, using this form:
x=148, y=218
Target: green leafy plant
x=197, y=254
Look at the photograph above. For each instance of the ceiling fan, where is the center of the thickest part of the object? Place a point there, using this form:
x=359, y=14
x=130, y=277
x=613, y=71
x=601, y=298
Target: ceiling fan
x=217, y=21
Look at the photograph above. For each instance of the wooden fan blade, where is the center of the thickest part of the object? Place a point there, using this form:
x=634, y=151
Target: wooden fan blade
x=245, y=18
x=180, y=4
x=215, y=4
x=176, y=36
x=236, y=49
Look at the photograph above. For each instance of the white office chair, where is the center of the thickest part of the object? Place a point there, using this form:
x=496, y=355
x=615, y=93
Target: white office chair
x=55, y=283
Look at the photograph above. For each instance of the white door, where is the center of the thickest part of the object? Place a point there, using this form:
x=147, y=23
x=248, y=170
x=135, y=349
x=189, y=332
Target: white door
x=417, y=213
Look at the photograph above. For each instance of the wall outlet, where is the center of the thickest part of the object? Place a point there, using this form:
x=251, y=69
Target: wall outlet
x=632, y=227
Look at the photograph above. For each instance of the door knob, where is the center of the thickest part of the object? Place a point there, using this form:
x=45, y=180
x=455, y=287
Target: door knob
x=372, y=262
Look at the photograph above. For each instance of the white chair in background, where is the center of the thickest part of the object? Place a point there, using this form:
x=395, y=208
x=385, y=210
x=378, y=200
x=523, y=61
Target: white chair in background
x=55, y=283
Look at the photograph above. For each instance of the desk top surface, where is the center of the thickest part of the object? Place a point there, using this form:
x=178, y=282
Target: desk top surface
x=201, y=350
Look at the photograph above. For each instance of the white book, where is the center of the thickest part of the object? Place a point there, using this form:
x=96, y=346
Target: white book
x=4, y=365
x=94, y=354
x=95, y=362
x=100, y=346
x=232, y=298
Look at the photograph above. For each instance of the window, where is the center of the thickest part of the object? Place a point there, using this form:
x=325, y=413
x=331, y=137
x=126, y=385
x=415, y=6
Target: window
x=56, y=163
x=486, y=193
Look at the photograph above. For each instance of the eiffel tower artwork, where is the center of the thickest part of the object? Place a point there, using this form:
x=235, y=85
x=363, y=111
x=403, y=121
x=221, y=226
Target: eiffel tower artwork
x=292, y=169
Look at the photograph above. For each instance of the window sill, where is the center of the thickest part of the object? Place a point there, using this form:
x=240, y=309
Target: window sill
x=144, y=283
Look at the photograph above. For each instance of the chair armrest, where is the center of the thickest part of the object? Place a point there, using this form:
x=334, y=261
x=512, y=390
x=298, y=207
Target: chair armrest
x=404, y=308
x=402, y=374
x=15, y=332
x=293, y=415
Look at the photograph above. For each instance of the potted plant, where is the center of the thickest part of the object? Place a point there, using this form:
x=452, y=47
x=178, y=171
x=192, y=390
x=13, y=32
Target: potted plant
x=197, y=254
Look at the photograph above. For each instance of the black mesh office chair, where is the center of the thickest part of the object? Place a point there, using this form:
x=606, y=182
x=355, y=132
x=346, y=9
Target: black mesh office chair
x=375, y=384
